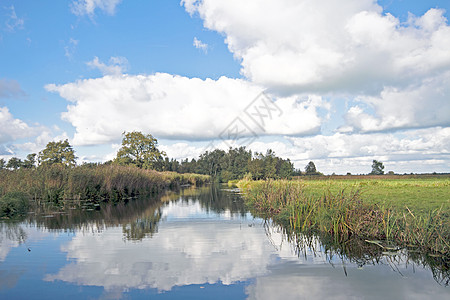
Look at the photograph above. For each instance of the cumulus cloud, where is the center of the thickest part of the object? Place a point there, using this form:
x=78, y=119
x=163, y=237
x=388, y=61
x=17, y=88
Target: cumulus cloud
x=41, y=139
x=117, y=65
x=327, y=45
x=407, y=151
x=415, y=150
x=342, y=48
x=174, y=107
x=200, y=45
x=88, y=7
x=11, y=89
x=421, y=105
x=11, y=128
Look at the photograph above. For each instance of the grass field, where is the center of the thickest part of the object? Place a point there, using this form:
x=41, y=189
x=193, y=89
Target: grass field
x=413, y=212
x=419, y=195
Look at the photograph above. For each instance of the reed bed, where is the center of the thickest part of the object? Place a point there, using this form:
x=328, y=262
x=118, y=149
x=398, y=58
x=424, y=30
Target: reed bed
x=345, y=214
x=99, y=183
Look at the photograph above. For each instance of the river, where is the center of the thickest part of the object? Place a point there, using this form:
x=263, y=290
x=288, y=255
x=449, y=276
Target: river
x=194, y=244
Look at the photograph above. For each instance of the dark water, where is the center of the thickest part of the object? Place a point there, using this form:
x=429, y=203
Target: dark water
x=197, y=244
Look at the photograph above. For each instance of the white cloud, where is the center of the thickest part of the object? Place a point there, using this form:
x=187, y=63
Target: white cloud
x=416, y=150
x=88, y=7
x=200, y=45
x=424, y=150
x=11, y=128
x=41, y=140
x=344, y=48
x=117, y=65
x=13, y=22
x=327, y=45
x=176, y=107
x=423, y=105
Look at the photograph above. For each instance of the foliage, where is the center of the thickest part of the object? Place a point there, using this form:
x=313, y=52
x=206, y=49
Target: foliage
x=60, y=152
x=13, y=204
x=14, y=163
x=140, y=150
x=30, y=162
x=377, y=168
x=2, y=163
x=345, y=211
x=95, y=183
x=236, y=163
x=310, y=169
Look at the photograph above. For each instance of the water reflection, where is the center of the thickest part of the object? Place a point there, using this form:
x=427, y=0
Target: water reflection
x=206, y=236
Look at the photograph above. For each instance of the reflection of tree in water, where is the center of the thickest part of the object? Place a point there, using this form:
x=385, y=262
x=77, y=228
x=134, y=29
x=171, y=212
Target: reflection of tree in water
x=363, y=253
x=214, y=198
x=12, y=232
x=144, y=226
x=139, y=217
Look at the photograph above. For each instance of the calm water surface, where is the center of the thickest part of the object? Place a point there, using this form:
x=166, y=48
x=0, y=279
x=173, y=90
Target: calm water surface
x=196, y=244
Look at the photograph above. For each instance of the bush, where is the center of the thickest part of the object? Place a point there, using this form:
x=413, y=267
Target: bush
x=13, y=204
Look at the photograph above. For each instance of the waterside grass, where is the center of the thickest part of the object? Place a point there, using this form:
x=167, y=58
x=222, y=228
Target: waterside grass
x=363, y=209
x=61, y=185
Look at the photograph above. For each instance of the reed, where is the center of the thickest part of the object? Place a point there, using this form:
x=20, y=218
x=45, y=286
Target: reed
x=342, y=212
x=94, y=183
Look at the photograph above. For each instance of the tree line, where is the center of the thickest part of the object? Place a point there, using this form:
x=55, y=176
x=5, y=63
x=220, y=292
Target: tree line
x=141, y=150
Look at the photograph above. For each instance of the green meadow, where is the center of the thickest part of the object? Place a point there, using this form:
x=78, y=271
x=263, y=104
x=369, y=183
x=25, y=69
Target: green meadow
x=418, y=194
x=407, y=212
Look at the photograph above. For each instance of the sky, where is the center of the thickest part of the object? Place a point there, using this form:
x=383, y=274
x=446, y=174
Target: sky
x=336, y=82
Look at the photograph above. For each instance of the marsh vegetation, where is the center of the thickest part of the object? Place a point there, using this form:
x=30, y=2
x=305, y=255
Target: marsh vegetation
x=412, y=214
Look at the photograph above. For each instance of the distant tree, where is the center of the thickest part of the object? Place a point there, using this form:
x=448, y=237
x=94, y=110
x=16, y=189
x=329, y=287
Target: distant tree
x=377, y=168
x=2, y=163
x=270, y=164
x=256, y=168
x=140, y=150
x=14, y=163
x=349, y=174
x=285, y=168
x=60, y=152
x=30, y=162
x=310, y=169
x=297, y=172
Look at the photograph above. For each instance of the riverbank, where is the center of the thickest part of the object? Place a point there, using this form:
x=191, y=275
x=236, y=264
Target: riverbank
x=412, y=213
x=88, y=183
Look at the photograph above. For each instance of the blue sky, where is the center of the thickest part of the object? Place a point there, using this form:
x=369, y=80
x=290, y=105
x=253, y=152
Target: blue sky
x=354, y=81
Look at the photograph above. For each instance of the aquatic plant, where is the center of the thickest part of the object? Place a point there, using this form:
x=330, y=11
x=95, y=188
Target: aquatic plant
x=62, y=185
x=344, y=213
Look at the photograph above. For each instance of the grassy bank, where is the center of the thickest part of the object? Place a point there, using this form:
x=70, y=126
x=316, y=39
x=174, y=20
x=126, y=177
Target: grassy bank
x=99, y=183
x=409, y=213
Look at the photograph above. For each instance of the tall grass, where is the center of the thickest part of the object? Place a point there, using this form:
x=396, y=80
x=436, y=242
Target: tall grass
x=110, y=183
x=343, y=214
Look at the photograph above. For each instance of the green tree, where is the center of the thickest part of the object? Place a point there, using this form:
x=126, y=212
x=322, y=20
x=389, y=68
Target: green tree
x=256, y=168
x=377, y=168
x=30, y=162
x=60, y=152
x=2, y=163
x=14, y=163
x=285, y=168
x=140, y=150
x=310, y=169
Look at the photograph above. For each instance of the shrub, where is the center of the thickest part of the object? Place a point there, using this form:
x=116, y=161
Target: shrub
x=13, y=204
